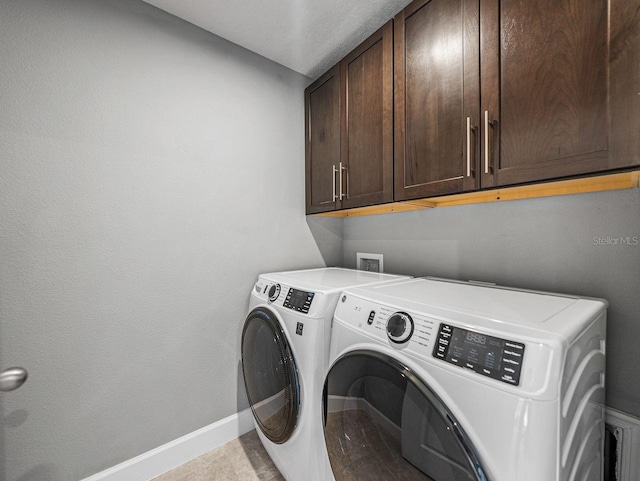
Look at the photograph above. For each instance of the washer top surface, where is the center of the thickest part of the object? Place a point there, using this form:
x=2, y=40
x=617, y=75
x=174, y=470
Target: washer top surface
x=329, y=278
x=539, y=310
x=497, y=302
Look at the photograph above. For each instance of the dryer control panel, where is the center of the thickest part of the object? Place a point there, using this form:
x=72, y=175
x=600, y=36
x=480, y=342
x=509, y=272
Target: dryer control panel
x=298, y=300
x=490, y=356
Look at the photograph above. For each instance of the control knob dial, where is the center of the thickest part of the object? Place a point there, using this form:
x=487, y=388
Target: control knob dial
x=399, y=327
x=274, y=292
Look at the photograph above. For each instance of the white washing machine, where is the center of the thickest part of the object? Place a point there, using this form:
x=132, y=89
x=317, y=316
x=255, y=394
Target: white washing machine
x=285, y=346
x=447, y=381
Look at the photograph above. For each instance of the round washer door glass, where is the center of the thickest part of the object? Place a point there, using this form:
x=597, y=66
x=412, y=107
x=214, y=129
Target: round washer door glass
x=270, y=375
x=383, y=422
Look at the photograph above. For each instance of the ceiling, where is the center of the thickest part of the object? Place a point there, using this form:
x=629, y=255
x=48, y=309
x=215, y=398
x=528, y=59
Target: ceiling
x=307, y=36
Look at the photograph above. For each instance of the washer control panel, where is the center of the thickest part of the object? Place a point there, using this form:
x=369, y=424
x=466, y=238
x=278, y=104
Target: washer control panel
x=472, y=347
x=490, y=356
x=404, y=329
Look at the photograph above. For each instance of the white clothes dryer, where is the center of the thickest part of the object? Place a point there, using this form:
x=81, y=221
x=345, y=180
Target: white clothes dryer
x=285, y=346
x=447, y=381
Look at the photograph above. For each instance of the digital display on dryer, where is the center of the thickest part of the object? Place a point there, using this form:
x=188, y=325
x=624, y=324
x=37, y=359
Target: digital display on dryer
x=487, y=355
x=298, y=300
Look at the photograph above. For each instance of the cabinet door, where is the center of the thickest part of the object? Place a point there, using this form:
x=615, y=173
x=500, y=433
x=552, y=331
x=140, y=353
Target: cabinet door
x=436, y=90
x=559, y=88
x=322, y=129
x=367, y=122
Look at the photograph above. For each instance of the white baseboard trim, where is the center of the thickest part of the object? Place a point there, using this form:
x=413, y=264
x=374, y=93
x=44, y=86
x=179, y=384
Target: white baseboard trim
x=628, y=434
x=177, y=452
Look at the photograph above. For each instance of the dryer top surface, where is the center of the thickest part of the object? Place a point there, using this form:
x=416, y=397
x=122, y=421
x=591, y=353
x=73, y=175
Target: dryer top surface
x=330, y=278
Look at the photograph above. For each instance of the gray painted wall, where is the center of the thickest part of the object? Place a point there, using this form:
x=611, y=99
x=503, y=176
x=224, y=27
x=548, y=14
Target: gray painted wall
x=565, y=244
x=148, y=172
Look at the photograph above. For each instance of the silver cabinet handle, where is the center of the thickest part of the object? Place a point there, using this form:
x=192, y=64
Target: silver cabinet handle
x=333, y=174
x=486, y=141
x=468, y=146
x=487, y=150
x=12, y=378
x=341, y=169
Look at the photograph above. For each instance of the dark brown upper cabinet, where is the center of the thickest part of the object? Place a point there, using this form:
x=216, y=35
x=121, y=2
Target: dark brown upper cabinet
x=349, y=129
x=322, y=129
x=560, y=88
x=557, y=94
x=462, y=95
x=437, y=98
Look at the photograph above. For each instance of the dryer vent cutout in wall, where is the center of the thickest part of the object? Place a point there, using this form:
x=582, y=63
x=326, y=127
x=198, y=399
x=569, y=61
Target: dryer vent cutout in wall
x=369, y=262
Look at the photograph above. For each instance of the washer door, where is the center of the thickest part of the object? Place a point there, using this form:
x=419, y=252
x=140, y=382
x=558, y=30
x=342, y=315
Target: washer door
x=270, y=375
x=382, y=422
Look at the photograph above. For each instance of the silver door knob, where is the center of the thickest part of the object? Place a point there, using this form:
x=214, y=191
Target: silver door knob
x=12, y=378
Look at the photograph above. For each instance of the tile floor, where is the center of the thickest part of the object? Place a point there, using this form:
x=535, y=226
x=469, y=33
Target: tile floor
x=360, y=449
x=243, y=459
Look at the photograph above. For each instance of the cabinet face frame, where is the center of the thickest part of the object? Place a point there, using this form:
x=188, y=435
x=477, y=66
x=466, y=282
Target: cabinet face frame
x=380, y=166
x=466, y=176
x=321, y=181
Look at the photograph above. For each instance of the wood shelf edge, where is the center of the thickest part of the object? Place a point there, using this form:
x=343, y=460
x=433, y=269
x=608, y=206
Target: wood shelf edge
x=624, y=180
x=374, y=209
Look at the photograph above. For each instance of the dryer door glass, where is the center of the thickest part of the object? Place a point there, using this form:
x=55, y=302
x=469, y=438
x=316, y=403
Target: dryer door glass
x=270, y=375
x=383, y=422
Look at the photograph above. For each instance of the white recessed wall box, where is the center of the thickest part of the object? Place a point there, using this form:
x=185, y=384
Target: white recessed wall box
x=369, y=262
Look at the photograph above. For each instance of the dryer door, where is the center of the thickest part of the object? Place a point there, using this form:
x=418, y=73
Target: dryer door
x=270, y=375
x=383, y=422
